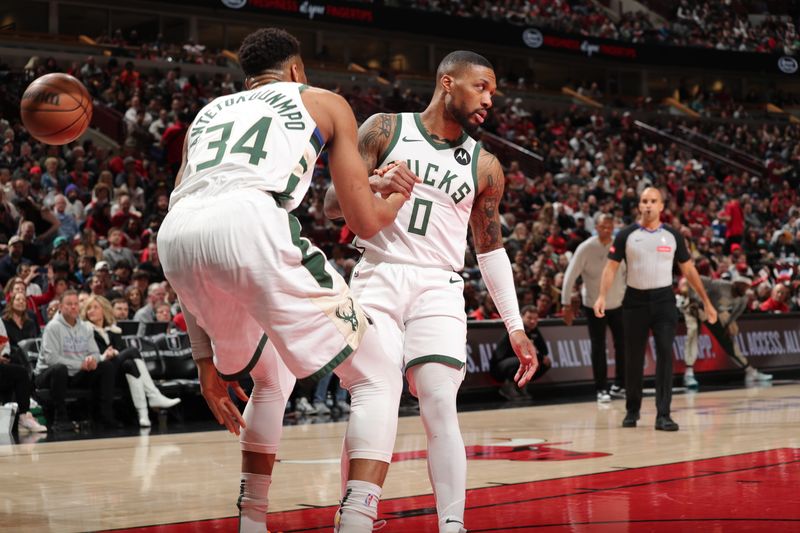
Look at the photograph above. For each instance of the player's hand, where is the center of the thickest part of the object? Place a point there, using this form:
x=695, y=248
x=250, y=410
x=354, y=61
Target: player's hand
x=526, y=353
x=215, y=391
x=711, y=313
x=394, y=177
x=569, y=315
x=600, y=307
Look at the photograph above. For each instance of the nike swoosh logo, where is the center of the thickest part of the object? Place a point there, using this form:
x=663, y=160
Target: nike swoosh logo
x=407, y=140
x=456, y=280
x=451, y=521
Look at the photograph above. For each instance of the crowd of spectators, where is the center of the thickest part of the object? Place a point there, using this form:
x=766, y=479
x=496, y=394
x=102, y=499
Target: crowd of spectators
x=131, y=45
x=703, y=24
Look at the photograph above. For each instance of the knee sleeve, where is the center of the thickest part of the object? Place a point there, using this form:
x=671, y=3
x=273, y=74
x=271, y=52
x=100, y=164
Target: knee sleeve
x=375, y=384
x=272, y=385
x=436, y=386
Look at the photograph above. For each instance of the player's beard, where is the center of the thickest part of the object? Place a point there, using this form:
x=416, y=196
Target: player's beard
x=462, y=117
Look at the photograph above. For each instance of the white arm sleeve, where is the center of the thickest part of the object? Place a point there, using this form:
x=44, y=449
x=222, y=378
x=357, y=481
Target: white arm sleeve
x=499, y=279
x=198, y=338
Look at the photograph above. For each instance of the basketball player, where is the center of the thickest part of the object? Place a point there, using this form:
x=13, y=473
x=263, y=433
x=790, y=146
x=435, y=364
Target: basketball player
x=406, y=279
x=232, y=250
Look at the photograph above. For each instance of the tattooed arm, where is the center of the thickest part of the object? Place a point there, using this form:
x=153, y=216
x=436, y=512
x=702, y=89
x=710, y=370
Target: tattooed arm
x=373, y=140
x=485, y=218
x=495, y=265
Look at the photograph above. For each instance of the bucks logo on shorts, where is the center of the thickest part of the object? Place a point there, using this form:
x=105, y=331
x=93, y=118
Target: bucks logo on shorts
x=348, y=315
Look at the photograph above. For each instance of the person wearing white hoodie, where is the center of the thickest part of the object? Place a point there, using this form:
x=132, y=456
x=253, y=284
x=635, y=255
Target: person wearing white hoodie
x=69, y=357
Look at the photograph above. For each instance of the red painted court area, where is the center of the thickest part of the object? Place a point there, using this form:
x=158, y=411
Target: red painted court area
x=748, y=492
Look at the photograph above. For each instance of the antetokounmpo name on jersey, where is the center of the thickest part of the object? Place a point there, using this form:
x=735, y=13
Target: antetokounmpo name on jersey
x=442, y=179
x=283, y=104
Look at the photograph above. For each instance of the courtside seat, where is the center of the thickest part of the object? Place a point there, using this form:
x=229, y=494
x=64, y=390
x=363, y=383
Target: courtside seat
x=175, y=351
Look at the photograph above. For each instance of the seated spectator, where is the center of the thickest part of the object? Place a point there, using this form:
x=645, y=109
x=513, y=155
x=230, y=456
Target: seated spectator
x=504, y=363
x=127, y=361
x=9, y=265
x=151, y=262
x=86, y=264
x=486, y=311
x=120, y=310
x=135, y=298
x=52, y=308
x=68, y=228
x=18, y=321
x=116, y=251
x=776, y=303
x=156, y=294
x=69, y=357
x=88, y=245
x=74, y=205
x=14, y=377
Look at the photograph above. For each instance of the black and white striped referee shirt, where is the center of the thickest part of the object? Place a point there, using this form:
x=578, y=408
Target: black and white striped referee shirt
x=649, y=254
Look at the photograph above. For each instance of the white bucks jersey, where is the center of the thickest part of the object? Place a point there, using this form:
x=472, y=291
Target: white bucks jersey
x=431, y=227
x=261, y=139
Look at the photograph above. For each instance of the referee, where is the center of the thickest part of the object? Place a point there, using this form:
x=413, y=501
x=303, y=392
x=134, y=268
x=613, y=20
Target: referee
x=650, y=249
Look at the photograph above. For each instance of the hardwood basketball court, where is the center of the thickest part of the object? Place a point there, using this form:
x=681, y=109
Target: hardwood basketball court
x=733, y=466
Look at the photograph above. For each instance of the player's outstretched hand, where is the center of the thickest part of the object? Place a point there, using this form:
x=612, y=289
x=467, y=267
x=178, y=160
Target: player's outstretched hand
x=215, y=392
x=526, y=353
x=394, y=177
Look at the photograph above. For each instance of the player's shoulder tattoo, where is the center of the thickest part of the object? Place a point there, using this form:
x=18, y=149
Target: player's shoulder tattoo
x=374, y=136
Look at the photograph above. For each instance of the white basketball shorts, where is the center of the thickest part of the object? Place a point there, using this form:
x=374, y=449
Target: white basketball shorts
x=238, y=263
x=418, y=311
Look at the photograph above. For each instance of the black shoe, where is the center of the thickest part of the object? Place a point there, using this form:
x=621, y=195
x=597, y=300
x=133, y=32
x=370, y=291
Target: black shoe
x=665, y=423
x=630, y=420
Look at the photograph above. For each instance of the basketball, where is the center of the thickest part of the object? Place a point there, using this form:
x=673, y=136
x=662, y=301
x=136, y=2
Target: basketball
x=56, y=108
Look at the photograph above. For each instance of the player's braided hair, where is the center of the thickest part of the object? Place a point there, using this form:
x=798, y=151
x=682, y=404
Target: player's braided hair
x=266, y=49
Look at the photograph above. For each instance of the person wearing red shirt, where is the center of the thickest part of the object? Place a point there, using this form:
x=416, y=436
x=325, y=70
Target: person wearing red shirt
x=733, y=216
x=173, y=142
x=776, y=303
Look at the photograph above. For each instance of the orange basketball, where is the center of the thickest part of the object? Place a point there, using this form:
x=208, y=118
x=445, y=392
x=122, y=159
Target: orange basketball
x=56, y=108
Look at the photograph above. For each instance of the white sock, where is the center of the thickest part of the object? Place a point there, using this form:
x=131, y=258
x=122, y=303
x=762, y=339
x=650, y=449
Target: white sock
x=689, y=371
x=359, y=507
x=253, y=502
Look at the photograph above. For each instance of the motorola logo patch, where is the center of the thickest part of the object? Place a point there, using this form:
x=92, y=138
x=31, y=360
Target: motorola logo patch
x=462, y=156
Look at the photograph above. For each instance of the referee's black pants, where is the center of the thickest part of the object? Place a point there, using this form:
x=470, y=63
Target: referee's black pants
x=643, y=311
x=597, y=334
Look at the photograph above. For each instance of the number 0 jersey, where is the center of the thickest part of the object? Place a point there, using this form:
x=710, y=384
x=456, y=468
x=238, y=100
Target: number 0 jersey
x=431, y=227
x=261, y=139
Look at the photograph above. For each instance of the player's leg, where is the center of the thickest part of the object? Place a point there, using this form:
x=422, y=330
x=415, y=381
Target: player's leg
x=272, y=385
x=435, y=348
x=373, y=377
x=436, y=386
x=375, y=383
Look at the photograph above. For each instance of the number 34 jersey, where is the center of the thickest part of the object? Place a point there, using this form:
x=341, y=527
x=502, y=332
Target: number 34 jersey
x=431, y=227
x=261, y=139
